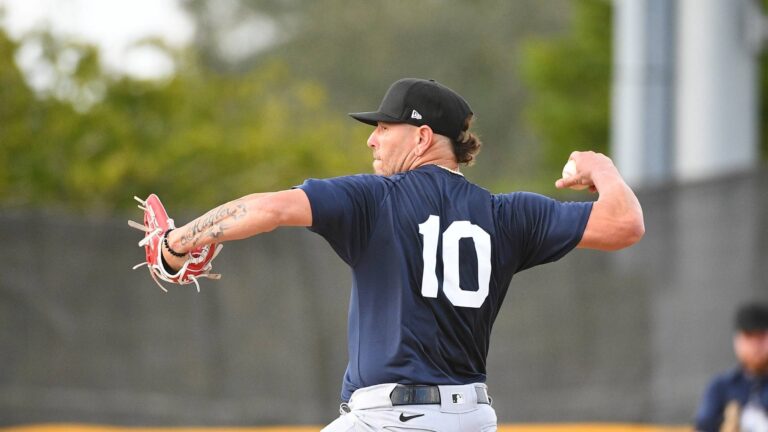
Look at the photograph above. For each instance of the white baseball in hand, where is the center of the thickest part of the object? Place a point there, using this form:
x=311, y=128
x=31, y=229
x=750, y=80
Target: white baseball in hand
x=569, y=170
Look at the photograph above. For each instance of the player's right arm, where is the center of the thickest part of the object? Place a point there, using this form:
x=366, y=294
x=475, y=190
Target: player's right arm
x=239, y=219
x=616, y=220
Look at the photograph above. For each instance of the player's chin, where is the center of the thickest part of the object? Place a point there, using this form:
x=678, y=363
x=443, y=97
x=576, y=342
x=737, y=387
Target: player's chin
x=378, y=167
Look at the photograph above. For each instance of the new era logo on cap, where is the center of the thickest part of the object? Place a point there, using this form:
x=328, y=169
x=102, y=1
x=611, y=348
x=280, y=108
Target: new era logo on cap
x=421, y=102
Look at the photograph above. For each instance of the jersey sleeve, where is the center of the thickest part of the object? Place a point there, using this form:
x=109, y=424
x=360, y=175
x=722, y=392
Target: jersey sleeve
x=709, y=415
x=344, y=209
x=538, y=228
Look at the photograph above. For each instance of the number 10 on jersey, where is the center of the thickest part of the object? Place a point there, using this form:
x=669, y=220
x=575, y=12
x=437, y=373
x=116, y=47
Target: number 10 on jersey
x=458, y=230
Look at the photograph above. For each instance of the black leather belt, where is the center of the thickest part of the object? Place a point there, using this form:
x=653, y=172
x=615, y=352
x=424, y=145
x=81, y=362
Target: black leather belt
x=426, y=395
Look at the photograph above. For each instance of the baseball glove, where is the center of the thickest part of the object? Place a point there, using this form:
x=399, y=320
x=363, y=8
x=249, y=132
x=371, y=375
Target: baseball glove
x=156, y=227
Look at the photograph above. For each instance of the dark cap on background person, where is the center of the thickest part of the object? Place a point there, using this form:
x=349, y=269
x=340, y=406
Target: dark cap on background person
x=751, y=317
x=421, y=102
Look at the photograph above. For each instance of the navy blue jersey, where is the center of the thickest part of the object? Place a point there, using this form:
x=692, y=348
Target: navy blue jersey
x=733, y=386
x=432, y=256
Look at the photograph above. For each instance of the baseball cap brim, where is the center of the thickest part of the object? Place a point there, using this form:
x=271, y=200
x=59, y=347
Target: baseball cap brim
x=372, y=118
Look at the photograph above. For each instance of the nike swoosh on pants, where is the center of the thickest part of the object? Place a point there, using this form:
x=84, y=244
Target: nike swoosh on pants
x=404, y=418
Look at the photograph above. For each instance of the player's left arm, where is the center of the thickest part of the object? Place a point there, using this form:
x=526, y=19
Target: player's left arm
x=244, y=217
x=616, y=220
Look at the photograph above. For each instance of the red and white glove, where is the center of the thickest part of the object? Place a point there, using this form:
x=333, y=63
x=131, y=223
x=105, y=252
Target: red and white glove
x=156, y=227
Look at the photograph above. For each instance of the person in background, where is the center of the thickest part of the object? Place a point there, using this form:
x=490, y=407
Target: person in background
x=737, y=400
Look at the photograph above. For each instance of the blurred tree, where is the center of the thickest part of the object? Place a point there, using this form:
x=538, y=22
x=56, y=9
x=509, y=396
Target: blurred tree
x=260, y=103
x=31, y=163
x=15, y=103
x=93, y=141
x=570, y=77
x=356, y=49
x=209, y=137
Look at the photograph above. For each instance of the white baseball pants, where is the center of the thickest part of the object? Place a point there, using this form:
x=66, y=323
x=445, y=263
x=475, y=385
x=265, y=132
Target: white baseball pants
x=370, y=410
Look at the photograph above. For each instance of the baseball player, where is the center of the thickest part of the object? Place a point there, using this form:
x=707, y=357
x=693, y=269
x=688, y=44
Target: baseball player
x=431, y=254
x=737, y=400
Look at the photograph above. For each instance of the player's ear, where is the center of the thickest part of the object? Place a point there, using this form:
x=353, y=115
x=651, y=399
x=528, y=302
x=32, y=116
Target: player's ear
x=425, y=139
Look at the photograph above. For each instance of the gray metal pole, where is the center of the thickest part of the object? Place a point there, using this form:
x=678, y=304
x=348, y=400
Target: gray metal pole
x=717, y=95
x=643, y=90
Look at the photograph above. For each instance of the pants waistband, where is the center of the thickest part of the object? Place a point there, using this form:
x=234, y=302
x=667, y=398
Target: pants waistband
x=430, y=395
x=389, y=395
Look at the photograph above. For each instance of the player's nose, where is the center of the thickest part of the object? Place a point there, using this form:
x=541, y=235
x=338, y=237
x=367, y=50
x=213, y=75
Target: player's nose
x=372, y=143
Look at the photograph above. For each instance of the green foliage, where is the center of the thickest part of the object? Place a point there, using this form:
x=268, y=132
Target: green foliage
x=222, y=128
x=206, y=137
x=197, y=140
x=356, y=49
x=29, y=163
x=15, y=102
x=570, y=80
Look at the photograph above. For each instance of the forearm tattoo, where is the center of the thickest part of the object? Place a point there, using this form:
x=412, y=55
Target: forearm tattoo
x=214, y=223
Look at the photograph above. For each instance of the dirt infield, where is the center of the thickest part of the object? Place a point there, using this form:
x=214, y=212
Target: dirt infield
x=580, y=427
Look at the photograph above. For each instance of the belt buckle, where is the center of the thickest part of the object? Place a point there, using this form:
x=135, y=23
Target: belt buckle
x=404, y=394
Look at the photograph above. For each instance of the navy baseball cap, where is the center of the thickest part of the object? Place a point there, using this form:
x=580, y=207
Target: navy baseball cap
x=752, y=317
x=421, y=102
